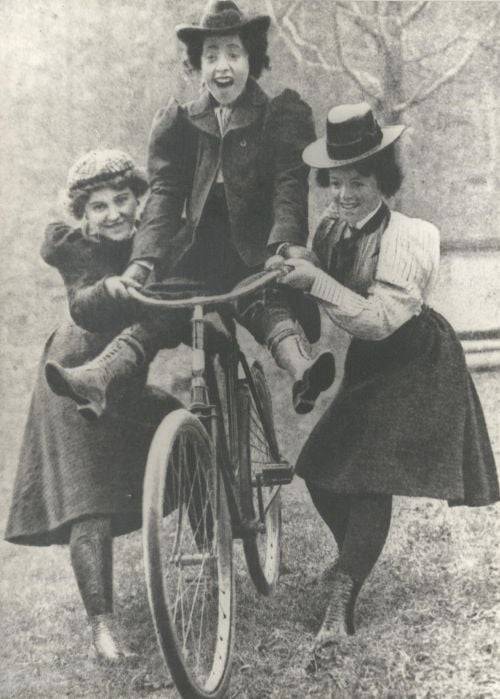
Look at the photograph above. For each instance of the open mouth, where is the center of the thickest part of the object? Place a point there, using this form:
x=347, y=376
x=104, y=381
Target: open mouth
x=223, y=82
x=349, y=207
x=116, y=224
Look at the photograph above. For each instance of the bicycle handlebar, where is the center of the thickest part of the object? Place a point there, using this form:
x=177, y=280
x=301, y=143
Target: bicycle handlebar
x=256, y=282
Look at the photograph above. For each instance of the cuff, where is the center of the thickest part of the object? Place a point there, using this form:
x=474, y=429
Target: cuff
x=139, y=270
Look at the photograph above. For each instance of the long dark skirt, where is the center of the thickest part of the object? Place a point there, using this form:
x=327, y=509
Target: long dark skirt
x=407, y=421
x=70, y=468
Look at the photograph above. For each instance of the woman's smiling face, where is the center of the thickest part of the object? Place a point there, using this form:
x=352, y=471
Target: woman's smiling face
x=354, y=195
x=224, y=67
x=110, y=213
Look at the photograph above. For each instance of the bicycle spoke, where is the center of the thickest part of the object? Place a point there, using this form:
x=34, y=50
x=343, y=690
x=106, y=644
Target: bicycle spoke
x=256, y=448
x=262, y=551
x=257, y=431
x=191, y=575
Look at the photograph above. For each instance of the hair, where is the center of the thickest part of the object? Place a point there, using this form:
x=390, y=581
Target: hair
x=383, y=165
x=79, y=196
x=254, y=41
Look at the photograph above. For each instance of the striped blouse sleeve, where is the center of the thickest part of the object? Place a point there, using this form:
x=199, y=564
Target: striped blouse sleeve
x=406, y=270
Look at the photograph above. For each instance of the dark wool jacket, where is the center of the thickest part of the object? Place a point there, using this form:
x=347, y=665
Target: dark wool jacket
x=70, y=468
x=265, y=180
x=84, y=264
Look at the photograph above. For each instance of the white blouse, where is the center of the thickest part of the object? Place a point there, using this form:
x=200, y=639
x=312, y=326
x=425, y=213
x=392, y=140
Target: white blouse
x=398, y=280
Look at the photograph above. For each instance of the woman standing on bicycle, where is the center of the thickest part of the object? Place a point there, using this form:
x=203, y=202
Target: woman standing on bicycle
x=79, y=482
x=231, y=160
x=407, y=420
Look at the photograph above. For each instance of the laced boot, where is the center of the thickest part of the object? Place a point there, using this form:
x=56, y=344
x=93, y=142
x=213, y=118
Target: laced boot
x=339, y=617
x=312, y=376
x=88, y=384
x=106, y=644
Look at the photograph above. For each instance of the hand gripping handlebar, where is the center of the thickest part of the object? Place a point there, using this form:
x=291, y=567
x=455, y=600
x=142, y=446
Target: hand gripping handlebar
x=249, y=286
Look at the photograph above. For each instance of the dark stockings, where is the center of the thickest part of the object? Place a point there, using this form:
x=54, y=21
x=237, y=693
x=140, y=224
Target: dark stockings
x=360, y=525
x=91, y=548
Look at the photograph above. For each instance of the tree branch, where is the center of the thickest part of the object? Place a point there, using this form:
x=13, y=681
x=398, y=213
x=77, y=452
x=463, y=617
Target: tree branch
x=422, y=93
x=300, y=41
x=441, y=49
x=353, y=74
x=353, y=12
x=291, y=46
x=297, y=40
x=414, y=12
x=383, y=35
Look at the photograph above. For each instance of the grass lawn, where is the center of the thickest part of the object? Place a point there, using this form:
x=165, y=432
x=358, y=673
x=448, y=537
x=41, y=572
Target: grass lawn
x=426, y=617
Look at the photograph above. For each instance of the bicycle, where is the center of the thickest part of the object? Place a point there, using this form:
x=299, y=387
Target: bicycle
x=214, y=474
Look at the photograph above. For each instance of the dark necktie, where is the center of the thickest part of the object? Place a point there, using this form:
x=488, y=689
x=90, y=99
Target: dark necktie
x=344, y=252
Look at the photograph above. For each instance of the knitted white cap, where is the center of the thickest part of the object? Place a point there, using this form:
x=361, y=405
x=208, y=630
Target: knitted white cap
x=100, y=165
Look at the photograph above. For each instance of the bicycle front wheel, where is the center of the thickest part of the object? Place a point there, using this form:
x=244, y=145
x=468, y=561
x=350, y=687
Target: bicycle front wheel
x=188, y=557
x=261, y=505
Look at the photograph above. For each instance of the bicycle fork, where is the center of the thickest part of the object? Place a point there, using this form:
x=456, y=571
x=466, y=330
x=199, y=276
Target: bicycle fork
x=203, y=407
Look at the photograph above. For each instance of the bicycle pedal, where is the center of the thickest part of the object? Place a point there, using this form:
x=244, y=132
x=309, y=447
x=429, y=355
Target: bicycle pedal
x=277, y=474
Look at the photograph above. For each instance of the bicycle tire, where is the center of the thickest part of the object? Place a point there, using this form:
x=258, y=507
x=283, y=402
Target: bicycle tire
x=188, y=557
x=258, y=446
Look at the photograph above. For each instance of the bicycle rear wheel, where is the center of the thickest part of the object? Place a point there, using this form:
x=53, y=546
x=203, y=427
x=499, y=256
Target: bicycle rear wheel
x=188, y=557
x=257, y=449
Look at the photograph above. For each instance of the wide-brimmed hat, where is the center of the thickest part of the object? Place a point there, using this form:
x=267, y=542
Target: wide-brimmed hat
x=221, y=17
x=352, y=134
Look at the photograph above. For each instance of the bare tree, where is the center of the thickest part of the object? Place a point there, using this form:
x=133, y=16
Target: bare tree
x=406, y=72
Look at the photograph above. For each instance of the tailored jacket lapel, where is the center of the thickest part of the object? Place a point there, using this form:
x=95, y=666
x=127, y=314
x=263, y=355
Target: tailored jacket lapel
x=329, y=232
x=332, y=231
x=248, y=106
x=202, y=115
x=214, y=151
x=246, y=110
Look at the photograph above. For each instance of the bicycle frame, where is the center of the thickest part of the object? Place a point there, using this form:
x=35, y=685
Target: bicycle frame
x=205, y=390
x=225, y=475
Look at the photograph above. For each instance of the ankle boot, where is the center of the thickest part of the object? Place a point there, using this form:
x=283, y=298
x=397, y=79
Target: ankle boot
x=88, y=384
x=106, y=645
x=311, y=376
x=91, y=551
x=339, y=617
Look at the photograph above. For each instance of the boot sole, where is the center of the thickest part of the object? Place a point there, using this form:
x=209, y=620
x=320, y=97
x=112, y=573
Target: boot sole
x=316, y=379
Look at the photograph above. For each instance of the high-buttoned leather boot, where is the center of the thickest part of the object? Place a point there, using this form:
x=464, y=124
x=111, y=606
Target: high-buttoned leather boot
x=312, y=376
x=339, y=616
x=107, y=645
x=88, y=385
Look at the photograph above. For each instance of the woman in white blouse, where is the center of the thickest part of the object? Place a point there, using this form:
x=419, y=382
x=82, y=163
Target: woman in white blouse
x=407, y=420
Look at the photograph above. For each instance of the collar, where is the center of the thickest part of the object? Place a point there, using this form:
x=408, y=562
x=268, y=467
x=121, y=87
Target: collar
x=245, y=109
x=334, y=231
x=359, y=224
x=368, y=224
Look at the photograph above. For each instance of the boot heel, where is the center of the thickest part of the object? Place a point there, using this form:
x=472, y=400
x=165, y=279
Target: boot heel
x=89, y=383
x=91, y=411
x=317, y=378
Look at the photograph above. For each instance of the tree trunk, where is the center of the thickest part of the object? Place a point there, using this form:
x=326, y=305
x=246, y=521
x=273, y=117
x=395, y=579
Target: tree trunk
x=393, y=71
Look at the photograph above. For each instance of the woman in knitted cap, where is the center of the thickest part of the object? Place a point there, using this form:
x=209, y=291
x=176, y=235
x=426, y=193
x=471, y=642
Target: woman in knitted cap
x=79, y=482
x=231, y=160
x=407, y=420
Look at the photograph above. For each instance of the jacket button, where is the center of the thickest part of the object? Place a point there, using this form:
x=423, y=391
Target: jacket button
x=243, y=143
